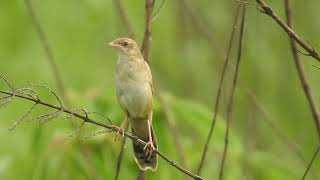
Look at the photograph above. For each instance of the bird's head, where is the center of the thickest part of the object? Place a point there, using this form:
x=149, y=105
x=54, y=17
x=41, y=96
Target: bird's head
x=126, y=47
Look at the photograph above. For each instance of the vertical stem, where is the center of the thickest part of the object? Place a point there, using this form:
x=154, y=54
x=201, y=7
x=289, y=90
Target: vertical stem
x=218, y=96
x=230, y=104
x=121, y=154
x=301, y=73
x=145, y=49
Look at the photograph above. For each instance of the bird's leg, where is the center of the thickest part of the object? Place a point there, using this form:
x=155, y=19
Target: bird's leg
x=149, y=147
x=121, y=129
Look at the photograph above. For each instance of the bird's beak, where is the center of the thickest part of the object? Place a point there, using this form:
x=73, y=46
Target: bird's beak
x=112, y=44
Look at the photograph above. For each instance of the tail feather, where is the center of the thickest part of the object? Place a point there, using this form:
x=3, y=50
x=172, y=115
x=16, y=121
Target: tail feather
x=140, y=157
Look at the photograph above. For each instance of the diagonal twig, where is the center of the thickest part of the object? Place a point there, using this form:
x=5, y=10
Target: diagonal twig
x=301, y=73
x=113, y=128
x=286, y=27
x=311, y=162
x=231, y=100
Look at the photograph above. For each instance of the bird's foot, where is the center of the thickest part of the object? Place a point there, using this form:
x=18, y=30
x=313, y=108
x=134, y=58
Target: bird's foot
x=149, y=149
x=120, y=131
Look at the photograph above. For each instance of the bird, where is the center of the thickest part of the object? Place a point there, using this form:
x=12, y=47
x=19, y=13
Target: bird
x=134, y=91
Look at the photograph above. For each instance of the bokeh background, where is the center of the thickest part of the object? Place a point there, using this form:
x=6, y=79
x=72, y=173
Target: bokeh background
x=189, y=40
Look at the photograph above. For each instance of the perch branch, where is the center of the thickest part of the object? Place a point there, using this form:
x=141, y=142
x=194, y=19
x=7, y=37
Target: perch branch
x=113, y=128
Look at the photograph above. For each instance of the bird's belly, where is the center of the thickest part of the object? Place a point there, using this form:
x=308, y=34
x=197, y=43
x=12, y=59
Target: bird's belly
x=135, y=98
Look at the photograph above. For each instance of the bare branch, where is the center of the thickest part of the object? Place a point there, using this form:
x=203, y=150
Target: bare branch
x=231, y=100
x=311, y=162
x=269, y=11
x=218, y=95
x=110, y=127
x=121, y=154
x=145, y=48
x=301, y=73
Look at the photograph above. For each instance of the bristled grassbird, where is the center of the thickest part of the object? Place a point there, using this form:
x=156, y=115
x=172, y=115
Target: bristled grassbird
x=134, y=92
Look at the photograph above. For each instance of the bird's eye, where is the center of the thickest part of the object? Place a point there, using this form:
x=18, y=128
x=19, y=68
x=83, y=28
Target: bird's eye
x=125, y=44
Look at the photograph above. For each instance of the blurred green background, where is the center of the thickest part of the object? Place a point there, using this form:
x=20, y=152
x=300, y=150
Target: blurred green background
x=189, y=40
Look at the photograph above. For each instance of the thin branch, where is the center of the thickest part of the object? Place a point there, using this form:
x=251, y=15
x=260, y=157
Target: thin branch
x=301, y=73
x=218, y=95
x=231, y=100
x=145, y=49
x=311, y=162
x=269, y=11
x=121, y=154
x=48, y=49
x=124, y=18
x=110, y=127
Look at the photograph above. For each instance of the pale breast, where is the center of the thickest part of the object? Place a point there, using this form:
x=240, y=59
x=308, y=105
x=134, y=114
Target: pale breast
x=133, y=89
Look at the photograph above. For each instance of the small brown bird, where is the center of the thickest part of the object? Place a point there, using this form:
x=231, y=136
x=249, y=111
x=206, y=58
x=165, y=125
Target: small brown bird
x=134, y=93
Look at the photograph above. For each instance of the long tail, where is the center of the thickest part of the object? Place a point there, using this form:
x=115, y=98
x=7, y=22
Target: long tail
x=140, y=157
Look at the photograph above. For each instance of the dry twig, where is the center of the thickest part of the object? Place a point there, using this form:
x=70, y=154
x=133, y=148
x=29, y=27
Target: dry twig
x=301, y=73
x=145, y=49
x=269, y=11
x=218, y=95
x=86, y=119
x=311, y=162
x=230, y=103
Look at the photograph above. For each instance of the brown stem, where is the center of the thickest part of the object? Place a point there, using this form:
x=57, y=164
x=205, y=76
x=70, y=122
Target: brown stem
x=110, y=127
x=121, y=154
x=145, y=49
x=301, y=73
x=218, y=95
x=230, y=103
x=268, y=10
